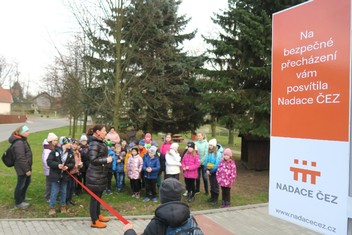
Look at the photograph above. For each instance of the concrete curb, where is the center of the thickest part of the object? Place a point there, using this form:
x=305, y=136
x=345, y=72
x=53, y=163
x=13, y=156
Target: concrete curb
x=147, y=217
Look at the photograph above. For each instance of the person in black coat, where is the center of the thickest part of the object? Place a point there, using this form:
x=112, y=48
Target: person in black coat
x=23, y=164
x=97, y=173
x=60, y=160
x=172, y=212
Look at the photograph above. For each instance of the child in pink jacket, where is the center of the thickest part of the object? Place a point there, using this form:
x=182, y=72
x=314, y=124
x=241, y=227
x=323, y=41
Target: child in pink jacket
x=226, y=175
x=190, y=164
x=134, y=168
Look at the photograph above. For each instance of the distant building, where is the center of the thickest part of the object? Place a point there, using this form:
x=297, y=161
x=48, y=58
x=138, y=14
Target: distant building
x=5, y=101
x=42, y=102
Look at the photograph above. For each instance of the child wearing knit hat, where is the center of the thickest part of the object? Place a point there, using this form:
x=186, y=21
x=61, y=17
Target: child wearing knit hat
x=211, y=164
x=226, y=175
x=151, y=167
x=190, y=164
x=173, y=162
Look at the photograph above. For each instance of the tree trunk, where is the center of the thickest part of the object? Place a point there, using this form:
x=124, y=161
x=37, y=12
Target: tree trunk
x=231, y=136
x=213, y=129
x=85, y=119
x=118, y=69
x=70, y=126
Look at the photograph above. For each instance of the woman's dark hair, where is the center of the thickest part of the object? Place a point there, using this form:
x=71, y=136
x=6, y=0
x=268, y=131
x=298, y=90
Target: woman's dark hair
x=98, y=128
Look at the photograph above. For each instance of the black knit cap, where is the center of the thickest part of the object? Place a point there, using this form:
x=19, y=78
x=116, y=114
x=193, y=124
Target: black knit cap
x=191, y=144
x=170, y=190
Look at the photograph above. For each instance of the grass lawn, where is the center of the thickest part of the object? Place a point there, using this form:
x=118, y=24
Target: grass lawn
x=243, y=192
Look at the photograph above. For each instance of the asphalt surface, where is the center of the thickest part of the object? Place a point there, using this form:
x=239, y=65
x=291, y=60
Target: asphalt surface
x=34, y=124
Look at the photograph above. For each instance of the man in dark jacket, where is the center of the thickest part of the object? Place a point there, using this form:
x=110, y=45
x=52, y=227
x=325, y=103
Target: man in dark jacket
x=172, y=212
x=23, y=164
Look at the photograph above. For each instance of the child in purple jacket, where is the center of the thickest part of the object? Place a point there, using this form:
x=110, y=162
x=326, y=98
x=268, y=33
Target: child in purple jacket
x=226, y=175
x=190, y=164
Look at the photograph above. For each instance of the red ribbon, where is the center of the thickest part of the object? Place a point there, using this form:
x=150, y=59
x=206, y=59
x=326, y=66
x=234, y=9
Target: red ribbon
x=109, y=208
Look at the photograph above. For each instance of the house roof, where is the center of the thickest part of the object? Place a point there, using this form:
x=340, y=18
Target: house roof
x=5, y=96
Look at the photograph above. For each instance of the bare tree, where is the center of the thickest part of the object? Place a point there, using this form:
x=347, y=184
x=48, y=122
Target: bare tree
x=8, y=71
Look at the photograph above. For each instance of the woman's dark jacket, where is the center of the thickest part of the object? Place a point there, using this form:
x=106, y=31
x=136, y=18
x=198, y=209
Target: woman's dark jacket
x=173, y=214
x=85, y=158
x=23, y=154
x=97, y=172
x=53, y=161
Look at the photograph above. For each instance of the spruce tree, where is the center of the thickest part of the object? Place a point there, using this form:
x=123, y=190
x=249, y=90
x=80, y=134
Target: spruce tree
x=237, y=91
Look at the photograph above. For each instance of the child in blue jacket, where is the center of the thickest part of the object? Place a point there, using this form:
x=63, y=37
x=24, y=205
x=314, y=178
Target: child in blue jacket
x=118, y=164
x=151, y=167
x=211, y=163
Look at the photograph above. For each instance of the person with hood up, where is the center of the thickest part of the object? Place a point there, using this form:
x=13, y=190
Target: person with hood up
x=173, y=162
x=23, y=164
x=172, y=212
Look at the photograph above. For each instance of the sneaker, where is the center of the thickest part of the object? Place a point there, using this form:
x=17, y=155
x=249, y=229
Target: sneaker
x=108, y=192
x=137, y=195
x=185, y=194
x=22, y=205
x=197, y=192
x=101, y=218
x=52, y=211
x=146, y=199
x=97, y=224
x=190, y=199
x=72, y=203
x=214, y=203
x=154, y=199
x=63, y=209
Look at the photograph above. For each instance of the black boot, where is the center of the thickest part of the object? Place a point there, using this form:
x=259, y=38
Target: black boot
x=215, y=199
x=223, y=203
x=212, y=197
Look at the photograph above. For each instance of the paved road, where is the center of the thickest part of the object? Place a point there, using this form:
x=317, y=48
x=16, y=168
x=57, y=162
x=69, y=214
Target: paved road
x=35, y=125
x=242, y=220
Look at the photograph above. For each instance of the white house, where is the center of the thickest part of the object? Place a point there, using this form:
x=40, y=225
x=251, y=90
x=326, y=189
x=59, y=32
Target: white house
x=5, y=101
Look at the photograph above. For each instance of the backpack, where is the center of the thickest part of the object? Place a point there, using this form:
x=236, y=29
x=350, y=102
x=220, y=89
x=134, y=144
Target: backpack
x=8, y=157
x=189, y=228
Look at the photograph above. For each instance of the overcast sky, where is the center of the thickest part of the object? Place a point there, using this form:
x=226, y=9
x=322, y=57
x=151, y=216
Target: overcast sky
x=31, y=28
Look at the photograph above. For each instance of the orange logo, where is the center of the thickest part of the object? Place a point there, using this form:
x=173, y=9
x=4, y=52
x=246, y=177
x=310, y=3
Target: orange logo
x=304, y=172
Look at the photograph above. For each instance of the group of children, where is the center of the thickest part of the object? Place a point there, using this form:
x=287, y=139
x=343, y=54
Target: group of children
x=144, y=164
x=58, y=157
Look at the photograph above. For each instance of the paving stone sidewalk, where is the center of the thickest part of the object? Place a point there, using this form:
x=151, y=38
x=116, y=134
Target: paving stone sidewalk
x=242, y=220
